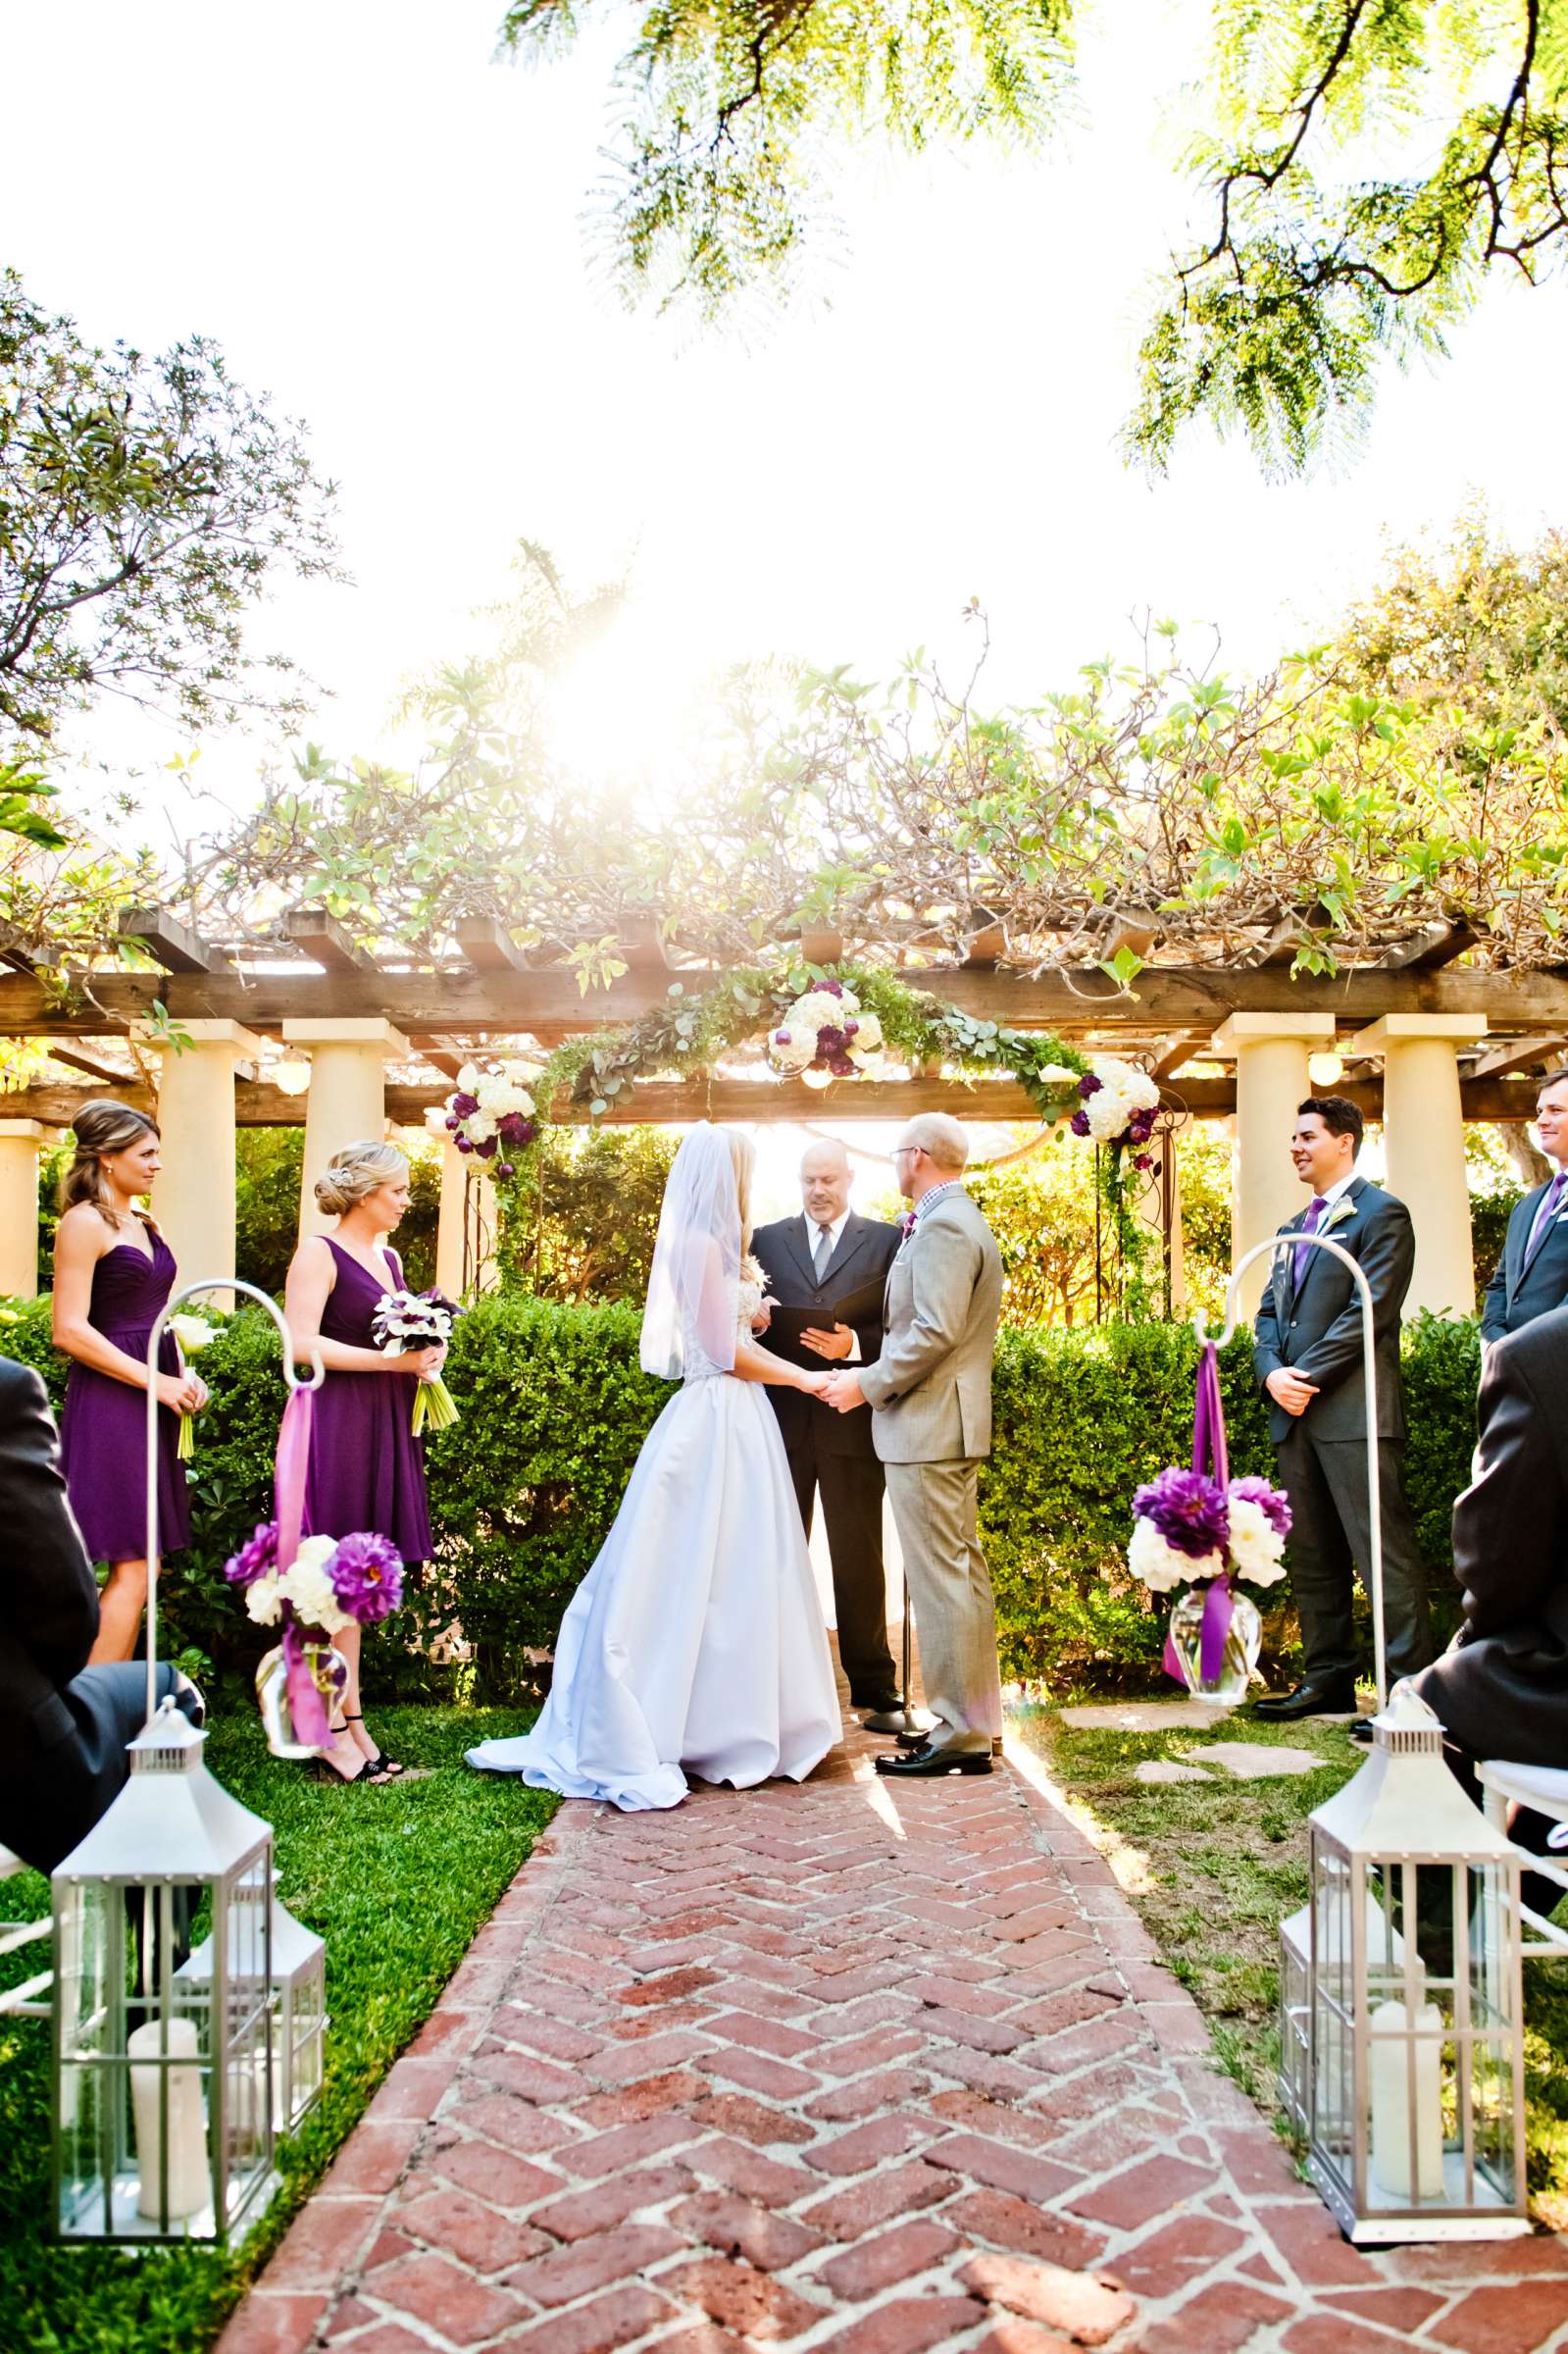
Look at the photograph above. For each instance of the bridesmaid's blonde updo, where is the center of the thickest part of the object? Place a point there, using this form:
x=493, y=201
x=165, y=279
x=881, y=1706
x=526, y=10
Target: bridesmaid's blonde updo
x=101, y=1128
x=354, y=1175
x=743, y=1156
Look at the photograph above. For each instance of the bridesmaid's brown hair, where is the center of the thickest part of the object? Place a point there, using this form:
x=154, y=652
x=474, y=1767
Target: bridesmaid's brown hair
x=101, y=1128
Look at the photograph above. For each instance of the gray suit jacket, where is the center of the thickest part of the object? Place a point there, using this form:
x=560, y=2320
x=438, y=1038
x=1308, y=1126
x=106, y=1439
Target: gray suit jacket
x=930, y=1386
x=1316, y=1330
x=1517, y=1294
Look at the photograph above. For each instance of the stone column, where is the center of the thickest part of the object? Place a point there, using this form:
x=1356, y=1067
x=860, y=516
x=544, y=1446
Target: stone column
x=193, y=1198
x=19, y=1208
x=1424, y=1149
x=1270, y=1050
x=456, y=1167
x=347, y=1100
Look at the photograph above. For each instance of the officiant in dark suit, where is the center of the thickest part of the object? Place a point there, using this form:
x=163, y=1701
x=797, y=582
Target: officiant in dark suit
x=1530, y=1278
x=829, y=1259
x=1307, y=1354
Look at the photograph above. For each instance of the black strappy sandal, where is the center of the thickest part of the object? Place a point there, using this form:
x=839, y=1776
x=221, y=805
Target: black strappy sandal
x=382, y=1768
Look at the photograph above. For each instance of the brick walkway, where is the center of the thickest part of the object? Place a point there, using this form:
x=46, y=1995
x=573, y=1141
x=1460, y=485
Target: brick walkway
x=873, y=2069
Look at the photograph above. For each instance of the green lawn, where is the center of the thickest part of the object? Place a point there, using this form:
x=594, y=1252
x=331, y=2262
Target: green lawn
x=1214, y=1867
x=397, y=1879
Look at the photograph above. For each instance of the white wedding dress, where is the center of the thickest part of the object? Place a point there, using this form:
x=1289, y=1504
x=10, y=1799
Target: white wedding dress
x=696, y=1640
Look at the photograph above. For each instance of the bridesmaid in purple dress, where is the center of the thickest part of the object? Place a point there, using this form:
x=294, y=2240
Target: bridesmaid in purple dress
x=367, y=1469
x=113, y=1273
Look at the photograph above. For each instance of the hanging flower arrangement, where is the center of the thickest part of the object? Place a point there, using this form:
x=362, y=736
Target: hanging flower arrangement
x=1119, y=1107
x=492, y=1114
x=826, y=1030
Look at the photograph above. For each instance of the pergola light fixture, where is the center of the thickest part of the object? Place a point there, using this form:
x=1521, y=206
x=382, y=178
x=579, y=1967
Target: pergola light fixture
x=290, y=1073
x=1325, y=1070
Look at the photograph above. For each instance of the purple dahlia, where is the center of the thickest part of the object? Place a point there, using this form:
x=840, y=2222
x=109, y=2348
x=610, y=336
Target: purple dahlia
x=367, y=1574
x=254, y=1558
x=1078, y=1123
x=1190, y=1511
x=464, y=1107
x=1272, y=1502
x=1089, y=1086
x=835, y=988
x=509, y=1128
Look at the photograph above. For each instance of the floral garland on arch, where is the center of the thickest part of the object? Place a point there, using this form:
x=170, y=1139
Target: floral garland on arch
x=841, y=1023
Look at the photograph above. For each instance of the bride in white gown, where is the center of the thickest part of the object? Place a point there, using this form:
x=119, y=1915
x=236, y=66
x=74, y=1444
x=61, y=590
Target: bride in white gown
x=696, y=1640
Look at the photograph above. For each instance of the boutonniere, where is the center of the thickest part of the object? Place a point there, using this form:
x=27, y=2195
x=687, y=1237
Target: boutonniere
x=907, y=1224
x=1341, y=1214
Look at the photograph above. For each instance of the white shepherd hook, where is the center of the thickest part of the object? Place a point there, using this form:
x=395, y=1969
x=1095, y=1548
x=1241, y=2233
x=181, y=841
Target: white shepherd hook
x=1373, y=1568
x=318, y=1374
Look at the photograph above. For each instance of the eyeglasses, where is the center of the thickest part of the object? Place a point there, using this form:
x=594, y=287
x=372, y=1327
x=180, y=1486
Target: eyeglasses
x=899, y=1149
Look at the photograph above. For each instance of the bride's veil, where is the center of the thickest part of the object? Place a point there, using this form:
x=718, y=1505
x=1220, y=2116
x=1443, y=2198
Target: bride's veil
x=689, y=1325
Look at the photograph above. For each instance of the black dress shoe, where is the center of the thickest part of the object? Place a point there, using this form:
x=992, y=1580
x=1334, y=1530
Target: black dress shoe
x=926, y=1763
x=1335, y=1697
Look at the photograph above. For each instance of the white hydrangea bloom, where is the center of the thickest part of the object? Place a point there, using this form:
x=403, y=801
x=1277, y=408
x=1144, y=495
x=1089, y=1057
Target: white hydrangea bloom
x=262, y=1600
x=868, y=1037
x=1257, y=1550
x=1159, y=1565
x=1108, y=1113
x=479, y=1127
x=794, y=1054
x=308, y=1586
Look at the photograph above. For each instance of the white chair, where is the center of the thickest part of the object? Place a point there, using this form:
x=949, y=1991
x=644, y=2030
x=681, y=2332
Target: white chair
x=30, y=2000
x=1544, y=1788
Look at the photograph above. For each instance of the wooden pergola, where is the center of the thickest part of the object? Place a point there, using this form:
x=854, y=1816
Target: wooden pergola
x=1424, y=1044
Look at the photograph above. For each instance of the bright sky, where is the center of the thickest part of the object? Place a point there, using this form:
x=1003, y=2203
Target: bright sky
x=384, y=228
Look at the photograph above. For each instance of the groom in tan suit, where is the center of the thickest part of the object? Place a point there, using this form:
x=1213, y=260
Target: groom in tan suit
x=930, y=1395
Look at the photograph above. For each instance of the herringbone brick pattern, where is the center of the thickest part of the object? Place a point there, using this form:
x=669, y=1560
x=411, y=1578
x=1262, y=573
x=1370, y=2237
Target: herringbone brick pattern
x=847, y=2068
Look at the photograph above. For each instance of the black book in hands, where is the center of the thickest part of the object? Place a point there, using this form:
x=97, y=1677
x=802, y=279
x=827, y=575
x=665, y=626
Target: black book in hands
x=788, y=1323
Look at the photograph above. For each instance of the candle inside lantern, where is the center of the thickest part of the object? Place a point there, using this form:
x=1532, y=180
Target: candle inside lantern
x=1393, y=2055
x=188, y=2184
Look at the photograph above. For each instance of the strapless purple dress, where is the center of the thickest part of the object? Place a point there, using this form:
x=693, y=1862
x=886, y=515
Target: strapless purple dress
x=367, y=1469
x=103, y=1432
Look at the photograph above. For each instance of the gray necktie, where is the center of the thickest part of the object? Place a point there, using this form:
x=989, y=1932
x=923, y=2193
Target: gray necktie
x=822, y=1251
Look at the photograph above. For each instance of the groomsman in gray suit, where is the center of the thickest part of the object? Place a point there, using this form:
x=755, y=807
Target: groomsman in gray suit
x=1532, y=1276
x=930, y=1395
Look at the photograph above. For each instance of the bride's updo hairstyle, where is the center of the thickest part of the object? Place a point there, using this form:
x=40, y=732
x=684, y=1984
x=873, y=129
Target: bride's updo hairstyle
x=351, y=1176
x=101, y=1130
x=744, y=1154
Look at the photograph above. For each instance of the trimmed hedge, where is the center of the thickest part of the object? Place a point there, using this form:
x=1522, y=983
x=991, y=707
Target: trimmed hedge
x=555, y=1406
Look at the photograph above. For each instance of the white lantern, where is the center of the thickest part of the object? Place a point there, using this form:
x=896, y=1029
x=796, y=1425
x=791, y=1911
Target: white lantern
x=163, y=2113
x=299, y=2008
x=1413, y=2093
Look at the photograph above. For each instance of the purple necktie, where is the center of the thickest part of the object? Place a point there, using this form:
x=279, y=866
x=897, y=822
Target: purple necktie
x=1550, y=1201
x=1303, y=1250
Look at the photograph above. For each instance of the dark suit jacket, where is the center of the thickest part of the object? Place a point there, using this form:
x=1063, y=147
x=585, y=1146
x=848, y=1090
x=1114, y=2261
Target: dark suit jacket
x=1503, y=1691
x=1317, y=1330
x=48, y=1596
x=1516, y=1294
x=866, y=1251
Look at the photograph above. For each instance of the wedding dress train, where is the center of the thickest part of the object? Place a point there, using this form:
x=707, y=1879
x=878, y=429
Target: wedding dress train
x=696, y=1639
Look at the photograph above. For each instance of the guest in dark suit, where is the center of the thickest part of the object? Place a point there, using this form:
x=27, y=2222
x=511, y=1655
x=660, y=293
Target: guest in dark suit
x=1532, y=1276
x=64, y=1726
x=1308, y=1357
x=1501, y=1689
x=819, y=1260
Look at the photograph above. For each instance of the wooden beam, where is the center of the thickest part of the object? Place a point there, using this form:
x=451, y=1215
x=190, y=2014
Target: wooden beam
x=458, y=1003
x=641, y=943
x=988, y=944
x=488, y=946
x=258, y=1106
x=175, y=946
x=1177, y=1050
x=320, y=937
x=1436, y=945
x=75, y=1060
x=1517, y=1054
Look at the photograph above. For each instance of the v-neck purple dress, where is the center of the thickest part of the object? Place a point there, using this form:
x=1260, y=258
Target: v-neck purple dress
x=367, y=1469
x=103, y=1432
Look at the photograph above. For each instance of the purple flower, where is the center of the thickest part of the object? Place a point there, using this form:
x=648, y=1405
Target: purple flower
x=529, y=1132
x=835, y=988
x=367, y=1574
x=850, y=1027
x=1078, y=1123
x=504, y=1168
x=840, y=1066
x=452, y=1120
x=1190, y=1511
x=463, y=1145
x=781, y=1037
x=830, y=1040
x=1272, y=1502
x=1089, y=1086
x=509, y=1128
x=1144, y=1161
x=487, y=1151
x=465, y=1105
x=254, y=1558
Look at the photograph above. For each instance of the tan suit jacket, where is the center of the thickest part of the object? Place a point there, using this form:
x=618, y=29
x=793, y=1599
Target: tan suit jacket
x=930, y=1386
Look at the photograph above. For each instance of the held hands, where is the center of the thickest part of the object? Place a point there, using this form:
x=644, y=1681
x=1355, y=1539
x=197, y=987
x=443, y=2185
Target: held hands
x=837, y=1342
x=843, y=1392
x=815, y=1385
x=1288, y=1389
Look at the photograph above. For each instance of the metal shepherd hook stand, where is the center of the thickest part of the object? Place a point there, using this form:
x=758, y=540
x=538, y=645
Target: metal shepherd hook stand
x=1324, y=1242
x=318, y=1374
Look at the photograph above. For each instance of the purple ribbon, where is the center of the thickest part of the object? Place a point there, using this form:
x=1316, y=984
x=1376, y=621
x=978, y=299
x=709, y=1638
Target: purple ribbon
x=1209, y=1452
x=305, y=1704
